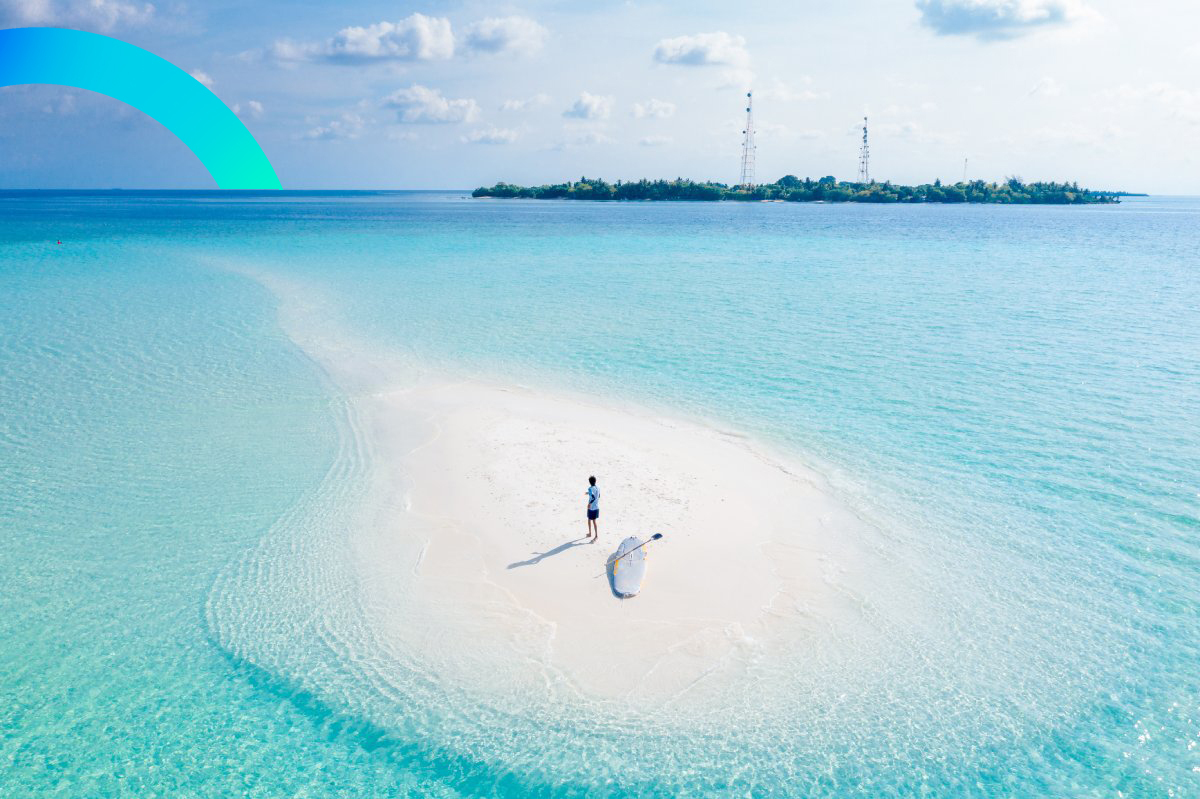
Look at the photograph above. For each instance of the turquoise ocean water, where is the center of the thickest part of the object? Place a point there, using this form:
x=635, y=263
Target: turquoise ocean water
x=1009, y=396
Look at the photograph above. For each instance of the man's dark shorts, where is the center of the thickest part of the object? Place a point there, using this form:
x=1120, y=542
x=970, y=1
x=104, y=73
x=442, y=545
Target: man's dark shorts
x=593, y=514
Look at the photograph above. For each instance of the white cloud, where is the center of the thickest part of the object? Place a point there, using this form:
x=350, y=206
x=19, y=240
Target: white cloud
x=202, y=76
x=348, y=126
x=894, y=110
x=771, y=130
x=655, y=141
x=1047, y=87
x=703, y=48
x=525, y=103
x=96, y=15
x=910, y=130
x=414, y=38
x=505, y=35
x=252, y=108
x=739, y=79
x=590, y=106
x=417, y=37
x=421, y=104
x=491, y=136
x=991, y=20
x=1174, y=100
x=1075, y=135
x=286, y=50
x=62, y=105
x=655, y=109
x=782, y=92
x=587, y=139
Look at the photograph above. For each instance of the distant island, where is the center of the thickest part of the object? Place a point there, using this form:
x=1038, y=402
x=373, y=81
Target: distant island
x=828, y=189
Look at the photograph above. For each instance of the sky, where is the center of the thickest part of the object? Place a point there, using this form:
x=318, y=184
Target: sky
x=402, y=95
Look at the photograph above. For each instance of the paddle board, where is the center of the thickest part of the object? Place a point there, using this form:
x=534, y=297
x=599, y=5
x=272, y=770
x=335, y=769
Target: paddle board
x=629, y=567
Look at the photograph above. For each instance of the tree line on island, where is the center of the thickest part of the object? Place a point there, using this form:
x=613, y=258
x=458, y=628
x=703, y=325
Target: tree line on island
x=793, y=189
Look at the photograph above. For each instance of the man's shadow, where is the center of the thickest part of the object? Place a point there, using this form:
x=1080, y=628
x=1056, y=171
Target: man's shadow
x=549, y=553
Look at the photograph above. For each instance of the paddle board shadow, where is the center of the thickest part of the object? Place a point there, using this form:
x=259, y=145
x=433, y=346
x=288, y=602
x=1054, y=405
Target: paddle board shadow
x=611, y=572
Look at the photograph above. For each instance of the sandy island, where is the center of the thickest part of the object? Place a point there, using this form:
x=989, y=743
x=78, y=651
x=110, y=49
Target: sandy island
x=465, y=548
x=495, y=488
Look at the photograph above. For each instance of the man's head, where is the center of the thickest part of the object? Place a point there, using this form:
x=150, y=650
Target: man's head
x=592, y=480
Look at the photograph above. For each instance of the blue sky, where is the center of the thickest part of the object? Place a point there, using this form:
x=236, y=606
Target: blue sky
x=455, y=95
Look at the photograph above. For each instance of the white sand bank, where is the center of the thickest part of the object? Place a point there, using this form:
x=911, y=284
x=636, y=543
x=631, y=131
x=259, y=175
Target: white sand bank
x=495, y=485
x=470, y=569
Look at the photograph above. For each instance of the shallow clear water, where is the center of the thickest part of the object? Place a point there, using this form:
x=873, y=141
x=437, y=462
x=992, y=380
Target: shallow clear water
x=1010, y=396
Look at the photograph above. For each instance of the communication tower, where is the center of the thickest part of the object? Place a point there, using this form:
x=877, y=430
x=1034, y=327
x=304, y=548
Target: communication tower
x=748, y=145
x=864, y=158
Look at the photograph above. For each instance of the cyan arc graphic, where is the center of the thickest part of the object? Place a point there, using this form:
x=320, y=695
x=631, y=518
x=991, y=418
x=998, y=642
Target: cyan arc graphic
x=151, y=84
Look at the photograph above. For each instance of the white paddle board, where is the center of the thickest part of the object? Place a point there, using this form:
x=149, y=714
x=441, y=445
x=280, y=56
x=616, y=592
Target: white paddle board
x=629, y=567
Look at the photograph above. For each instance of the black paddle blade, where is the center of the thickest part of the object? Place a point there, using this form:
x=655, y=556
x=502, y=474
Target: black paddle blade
x=656, y=536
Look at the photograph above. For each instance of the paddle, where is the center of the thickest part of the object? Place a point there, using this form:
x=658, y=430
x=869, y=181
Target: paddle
x=654, y=537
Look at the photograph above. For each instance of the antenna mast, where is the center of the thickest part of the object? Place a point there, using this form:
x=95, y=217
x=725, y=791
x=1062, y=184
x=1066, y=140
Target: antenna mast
x=748, y=145
x=864, y=157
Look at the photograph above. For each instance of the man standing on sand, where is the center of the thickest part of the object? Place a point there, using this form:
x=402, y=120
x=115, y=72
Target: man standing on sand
x=593, y=509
